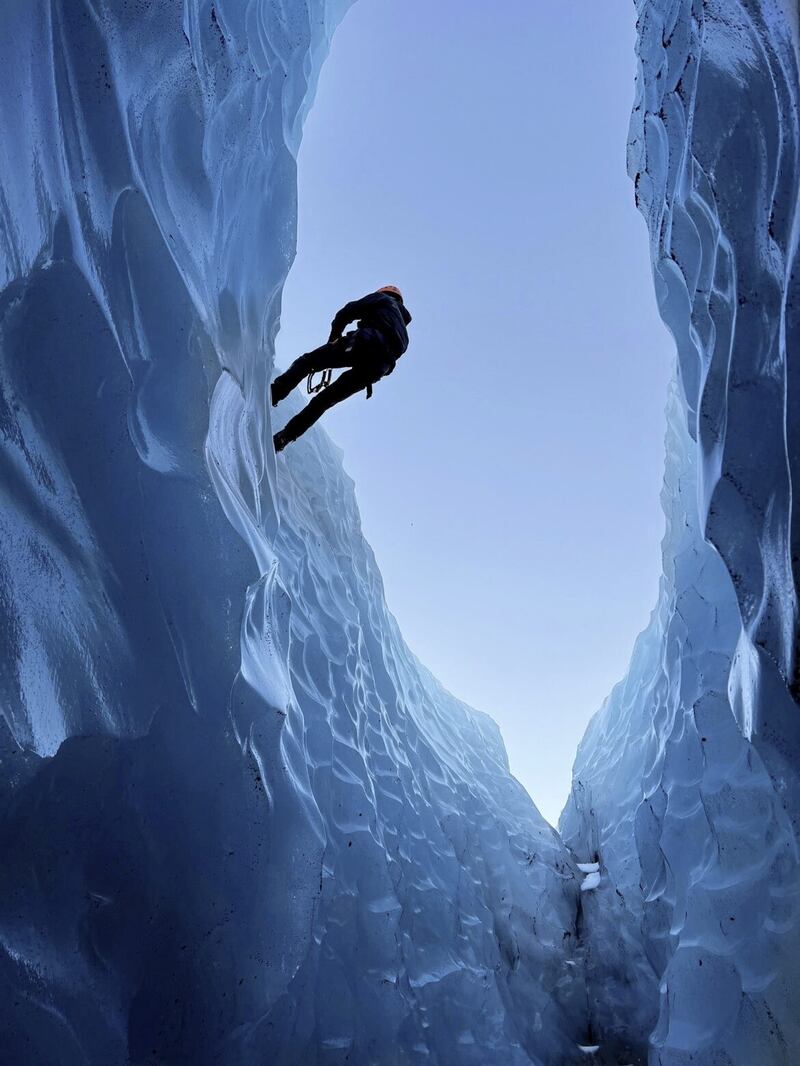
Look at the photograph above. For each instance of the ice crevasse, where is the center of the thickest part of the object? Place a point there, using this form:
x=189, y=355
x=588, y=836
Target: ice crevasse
x=240, y=822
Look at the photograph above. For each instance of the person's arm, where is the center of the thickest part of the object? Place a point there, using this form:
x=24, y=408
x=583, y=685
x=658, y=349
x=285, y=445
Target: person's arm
x=349, y=313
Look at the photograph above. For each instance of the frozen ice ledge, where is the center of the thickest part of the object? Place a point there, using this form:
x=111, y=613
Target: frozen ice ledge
x=240, y=823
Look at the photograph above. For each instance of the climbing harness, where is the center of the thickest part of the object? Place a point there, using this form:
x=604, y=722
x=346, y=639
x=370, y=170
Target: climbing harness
x=325, y=380
x=312, y=389
x=323, y=383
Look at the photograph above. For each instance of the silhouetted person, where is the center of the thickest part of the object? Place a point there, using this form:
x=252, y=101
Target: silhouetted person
x=369, y=353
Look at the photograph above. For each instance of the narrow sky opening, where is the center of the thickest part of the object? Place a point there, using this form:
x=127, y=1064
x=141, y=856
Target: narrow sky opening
x=509, y=471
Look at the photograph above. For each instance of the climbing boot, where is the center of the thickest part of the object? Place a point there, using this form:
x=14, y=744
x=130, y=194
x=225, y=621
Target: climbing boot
x=280, y=440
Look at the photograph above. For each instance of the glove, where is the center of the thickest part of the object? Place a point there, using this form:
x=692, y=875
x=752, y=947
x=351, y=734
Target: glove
x=335, y=336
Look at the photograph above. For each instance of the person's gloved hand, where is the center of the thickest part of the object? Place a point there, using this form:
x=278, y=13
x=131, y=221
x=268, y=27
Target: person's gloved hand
x=335, y=336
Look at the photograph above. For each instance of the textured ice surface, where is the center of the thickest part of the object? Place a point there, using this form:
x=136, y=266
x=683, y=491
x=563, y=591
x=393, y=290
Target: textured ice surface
x=686, y=782
x=239, y=823
x=447, y=908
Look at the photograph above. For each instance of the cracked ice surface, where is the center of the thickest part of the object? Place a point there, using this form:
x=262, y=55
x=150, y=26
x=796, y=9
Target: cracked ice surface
x=240, y=822
x=686, y=781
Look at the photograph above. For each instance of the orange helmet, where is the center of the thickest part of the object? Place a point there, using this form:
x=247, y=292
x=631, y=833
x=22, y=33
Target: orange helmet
x=393, y=290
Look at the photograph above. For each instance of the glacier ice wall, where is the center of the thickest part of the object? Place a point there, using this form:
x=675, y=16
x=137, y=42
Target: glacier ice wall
x=686, y=783
x=240, y=822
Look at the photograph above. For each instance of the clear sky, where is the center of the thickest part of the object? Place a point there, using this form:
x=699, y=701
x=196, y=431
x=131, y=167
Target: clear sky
x=509, y=471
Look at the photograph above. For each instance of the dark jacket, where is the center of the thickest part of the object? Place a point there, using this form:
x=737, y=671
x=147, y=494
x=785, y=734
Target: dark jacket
x=381, y=314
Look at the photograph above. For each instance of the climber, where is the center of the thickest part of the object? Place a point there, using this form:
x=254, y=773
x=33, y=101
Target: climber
x=369, y=353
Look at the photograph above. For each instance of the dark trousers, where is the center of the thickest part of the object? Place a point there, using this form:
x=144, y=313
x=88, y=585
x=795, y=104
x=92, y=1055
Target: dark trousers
x=360, y=374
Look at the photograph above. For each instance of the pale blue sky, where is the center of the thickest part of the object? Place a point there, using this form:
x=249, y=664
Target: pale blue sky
x=509, y=471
